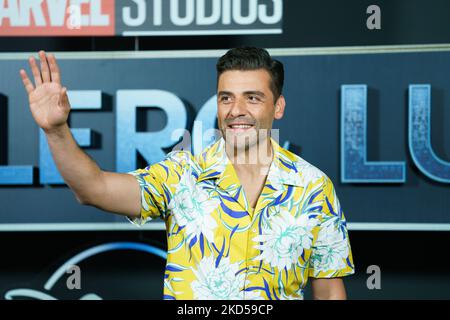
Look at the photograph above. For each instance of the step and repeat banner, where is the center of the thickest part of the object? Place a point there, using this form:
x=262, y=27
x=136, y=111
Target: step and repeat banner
x=375, y=123
x=139, y=17
x=374, y=119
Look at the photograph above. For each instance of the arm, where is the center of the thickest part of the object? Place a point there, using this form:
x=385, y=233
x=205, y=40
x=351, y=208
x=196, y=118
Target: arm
x=328, y=289
x=49, y=105
x=331, y=257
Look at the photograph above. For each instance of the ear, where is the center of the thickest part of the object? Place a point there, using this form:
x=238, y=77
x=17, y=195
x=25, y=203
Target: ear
x=280, y=104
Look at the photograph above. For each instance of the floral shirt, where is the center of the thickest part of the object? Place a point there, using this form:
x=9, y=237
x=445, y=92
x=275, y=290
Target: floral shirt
x=219, y=248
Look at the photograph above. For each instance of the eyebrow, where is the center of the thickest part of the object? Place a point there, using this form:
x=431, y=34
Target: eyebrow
x=247, y=93
x=256, y=93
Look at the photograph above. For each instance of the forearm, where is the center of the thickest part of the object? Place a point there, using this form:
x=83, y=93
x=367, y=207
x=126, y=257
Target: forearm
x=50, y=107
x=78, y=170
x=328, y=289
x=330, y=296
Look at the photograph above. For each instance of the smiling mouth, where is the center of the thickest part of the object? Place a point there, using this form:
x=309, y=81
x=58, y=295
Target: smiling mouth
x=239, y=126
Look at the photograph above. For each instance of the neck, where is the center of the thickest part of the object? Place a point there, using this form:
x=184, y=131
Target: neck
x=254, y=159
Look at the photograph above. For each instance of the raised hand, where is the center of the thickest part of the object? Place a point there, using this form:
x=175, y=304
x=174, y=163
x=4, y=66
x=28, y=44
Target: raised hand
x=48, y=100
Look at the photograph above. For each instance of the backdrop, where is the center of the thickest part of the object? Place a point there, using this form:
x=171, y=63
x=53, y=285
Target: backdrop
x=375, y=123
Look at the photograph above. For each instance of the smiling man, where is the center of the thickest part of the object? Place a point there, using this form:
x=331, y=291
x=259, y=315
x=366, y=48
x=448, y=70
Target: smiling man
x=245, y=219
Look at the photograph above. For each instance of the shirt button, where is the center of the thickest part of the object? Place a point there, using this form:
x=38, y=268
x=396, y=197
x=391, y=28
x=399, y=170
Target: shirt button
x=254, y=230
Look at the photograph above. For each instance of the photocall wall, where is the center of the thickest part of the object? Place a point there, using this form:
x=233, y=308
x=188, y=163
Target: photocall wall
x=85, y=25
x=140, y=17
x=375, y=123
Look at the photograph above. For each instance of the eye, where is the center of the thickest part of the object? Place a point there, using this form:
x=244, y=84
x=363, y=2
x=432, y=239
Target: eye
x=225, y=99
x=253, y=98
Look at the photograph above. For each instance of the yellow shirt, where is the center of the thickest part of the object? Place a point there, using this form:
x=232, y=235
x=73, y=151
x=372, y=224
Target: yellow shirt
x=219, y=249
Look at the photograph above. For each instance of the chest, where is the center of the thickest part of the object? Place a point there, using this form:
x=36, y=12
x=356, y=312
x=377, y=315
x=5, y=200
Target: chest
x=252, y=187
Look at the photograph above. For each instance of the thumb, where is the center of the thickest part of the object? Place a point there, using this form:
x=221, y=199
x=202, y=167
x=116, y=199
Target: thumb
x=64, y=99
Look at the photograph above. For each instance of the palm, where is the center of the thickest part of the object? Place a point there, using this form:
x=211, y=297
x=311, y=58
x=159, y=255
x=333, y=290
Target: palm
x=47, y=109
x=48, y=100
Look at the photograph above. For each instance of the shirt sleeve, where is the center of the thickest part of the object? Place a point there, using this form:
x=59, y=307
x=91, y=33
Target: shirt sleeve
x=157, y=183
x=331, y=252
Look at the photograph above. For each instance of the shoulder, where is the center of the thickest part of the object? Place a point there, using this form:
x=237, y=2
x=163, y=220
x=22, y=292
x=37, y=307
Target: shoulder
x=212, y=156
x=307, y=172
x=175, y=162
x=181, y=161
x=181, y=157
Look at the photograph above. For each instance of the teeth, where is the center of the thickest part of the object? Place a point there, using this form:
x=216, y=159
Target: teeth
x=241, y=126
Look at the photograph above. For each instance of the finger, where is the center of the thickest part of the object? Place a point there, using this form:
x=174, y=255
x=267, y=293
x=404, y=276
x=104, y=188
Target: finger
x=35, y=71
x=45, y=71
x=26, y=81
x=54, y=69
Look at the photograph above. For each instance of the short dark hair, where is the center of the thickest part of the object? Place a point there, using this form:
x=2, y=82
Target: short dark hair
x=251, y=58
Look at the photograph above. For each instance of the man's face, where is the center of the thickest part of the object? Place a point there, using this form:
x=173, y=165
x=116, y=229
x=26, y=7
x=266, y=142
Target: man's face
x=246, y=107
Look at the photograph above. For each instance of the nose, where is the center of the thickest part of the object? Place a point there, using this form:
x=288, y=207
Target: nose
x=238, y=109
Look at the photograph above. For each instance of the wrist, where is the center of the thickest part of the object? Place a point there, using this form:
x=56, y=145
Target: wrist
x=60, y=131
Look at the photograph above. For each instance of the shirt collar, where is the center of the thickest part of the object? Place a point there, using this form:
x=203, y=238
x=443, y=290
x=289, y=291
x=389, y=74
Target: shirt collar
x=216, y=165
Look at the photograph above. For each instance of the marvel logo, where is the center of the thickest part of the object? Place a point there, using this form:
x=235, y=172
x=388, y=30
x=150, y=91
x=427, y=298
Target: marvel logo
x=41, y=15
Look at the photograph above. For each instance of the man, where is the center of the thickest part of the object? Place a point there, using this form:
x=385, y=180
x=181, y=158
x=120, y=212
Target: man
x=245, y=219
